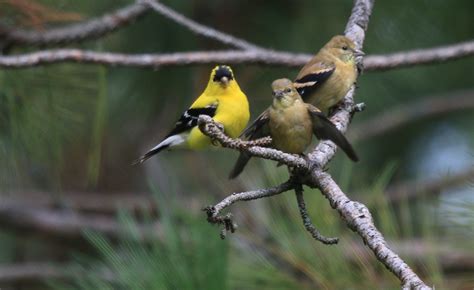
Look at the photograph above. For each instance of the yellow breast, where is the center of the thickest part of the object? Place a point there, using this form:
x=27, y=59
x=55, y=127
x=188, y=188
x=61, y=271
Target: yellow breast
x=232, y=112
x=291, y=131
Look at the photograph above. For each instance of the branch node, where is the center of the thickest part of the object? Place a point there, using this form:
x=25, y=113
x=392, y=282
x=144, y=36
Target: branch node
x=359, y=107
x=215, y=131
x=225, y=221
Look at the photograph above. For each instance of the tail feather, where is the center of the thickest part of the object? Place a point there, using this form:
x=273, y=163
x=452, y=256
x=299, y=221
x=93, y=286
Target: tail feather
x=149, y=154
x=239, y=165
x=171, y=141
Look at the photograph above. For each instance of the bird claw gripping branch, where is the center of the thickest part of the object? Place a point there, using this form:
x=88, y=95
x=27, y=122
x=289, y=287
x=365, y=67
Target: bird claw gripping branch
x=215, y=131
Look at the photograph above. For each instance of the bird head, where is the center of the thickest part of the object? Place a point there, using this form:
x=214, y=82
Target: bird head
x=343, y=48
x=284, y=93
x=222, y=74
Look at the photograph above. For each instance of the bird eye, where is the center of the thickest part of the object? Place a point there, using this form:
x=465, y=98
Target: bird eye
x=345, y=48
x=288, y=90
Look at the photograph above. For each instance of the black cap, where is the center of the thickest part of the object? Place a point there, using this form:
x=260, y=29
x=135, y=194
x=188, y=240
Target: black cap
x=223, y=71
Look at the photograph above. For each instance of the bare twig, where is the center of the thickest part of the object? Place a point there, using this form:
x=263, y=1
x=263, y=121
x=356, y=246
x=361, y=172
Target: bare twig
x=307, y=221
x=213, y=212
x=148, y=60
x=199, y=28
x=89, y=29
x=429, y=107
x=215, y=132
x=419, y=56
x=262, y=57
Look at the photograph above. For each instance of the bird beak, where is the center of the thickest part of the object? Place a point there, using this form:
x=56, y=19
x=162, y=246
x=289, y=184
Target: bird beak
x=225, y=81
x=278, y=95
x=358, y=53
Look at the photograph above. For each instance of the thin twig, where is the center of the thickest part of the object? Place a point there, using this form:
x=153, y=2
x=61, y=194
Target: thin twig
x=215, y=132
x=77, y=32
x=307, y=221
x=198, y=28
x=398, y=117
x=213, y=212
x=419, y=56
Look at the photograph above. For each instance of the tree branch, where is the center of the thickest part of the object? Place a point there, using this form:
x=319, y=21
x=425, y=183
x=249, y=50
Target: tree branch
x=359, y=219
x=213, y=212
x=198, y=28
x=34, y=272
x=90, y=29
x=65, y=225
x=412, y=112
x=216, y=133
x=419, y=56
x=355, y=214
x=260, y=57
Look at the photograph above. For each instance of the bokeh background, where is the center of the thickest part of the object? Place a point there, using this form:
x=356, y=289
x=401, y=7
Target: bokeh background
x=69, y=132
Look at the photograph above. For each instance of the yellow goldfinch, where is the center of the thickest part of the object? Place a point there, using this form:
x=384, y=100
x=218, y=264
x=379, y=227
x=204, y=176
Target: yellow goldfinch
x=222, y=100
x=291, y=124
x=323, y=82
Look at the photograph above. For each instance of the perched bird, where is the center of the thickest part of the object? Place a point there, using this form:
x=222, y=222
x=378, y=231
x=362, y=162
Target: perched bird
x=322, y=82
x=291, y=123
x=328, y=76
x=222, y=100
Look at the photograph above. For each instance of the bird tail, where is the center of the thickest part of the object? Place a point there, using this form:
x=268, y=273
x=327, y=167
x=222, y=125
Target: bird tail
x=239, y=165
x=325, y=130
x=171, y=141
x=149, y=154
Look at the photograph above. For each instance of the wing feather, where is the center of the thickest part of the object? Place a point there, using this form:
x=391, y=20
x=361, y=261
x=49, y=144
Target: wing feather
x=312, y=77
x=325, y=130
x=189, y=118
